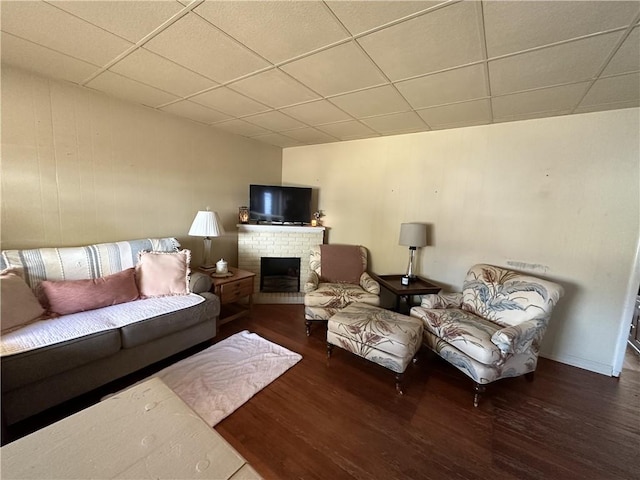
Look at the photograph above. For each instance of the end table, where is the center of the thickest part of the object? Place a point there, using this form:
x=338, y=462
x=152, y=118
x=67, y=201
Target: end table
x=420, y=286
x=230, y=290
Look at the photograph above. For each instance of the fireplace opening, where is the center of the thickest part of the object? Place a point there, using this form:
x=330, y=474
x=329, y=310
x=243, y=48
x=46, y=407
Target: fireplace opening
x=279, y=274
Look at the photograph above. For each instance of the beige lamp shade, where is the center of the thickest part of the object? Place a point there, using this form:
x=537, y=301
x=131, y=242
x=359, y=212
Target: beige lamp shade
x=413, y=234
x=206, y=224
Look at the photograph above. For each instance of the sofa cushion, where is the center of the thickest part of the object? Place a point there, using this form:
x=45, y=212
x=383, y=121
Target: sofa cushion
x=19, y=305
x=163, y=273
x=71, y=296
x=159, y=326
x=339, y=295
x=33, y=365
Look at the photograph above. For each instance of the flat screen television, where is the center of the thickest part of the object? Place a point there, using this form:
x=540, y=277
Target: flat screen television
x=274, y=204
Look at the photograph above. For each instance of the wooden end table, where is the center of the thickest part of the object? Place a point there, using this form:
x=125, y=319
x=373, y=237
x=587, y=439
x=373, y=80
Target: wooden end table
x=420, y=286
x=230, y=290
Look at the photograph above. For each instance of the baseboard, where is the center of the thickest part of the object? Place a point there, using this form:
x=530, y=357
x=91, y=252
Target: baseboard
x=583, y=363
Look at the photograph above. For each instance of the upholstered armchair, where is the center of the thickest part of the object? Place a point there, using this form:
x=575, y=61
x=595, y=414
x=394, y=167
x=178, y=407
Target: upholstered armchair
x=493, y=328
x=338, y=277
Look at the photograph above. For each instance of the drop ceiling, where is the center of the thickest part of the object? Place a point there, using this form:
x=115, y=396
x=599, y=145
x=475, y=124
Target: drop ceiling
x=294, y=73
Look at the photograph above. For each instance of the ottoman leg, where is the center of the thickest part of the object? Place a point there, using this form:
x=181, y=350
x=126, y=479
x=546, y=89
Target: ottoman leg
x=329, y=349
x=307, y=325
x=399, y=377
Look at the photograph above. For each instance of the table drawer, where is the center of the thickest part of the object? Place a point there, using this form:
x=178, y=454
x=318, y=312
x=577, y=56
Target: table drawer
x=231, y=292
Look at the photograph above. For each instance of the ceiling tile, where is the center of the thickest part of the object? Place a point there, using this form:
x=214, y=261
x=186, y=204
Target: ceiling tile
x=516, y=26
x=373, y=101
x=227, y=101
x=623, y=88
x=131, y=19
x=195, y=44
x=195, y=112
x=447, y=87
x=274, y=88
x=607, y=106
x=555, y=99
x=361, y=16
x=627, y=58
x=275, y=121
x=241, y=127
x=276, y=30
x=476, y=112
x=128, y=89
x=154, y=70
x=316, y=113
x=348, y=130
x=310, y=135
x=337, y=70
x=60, y=31
x=278, y=140
x=441, y=39
x=396, y=123
x=43, y=61
x=569, y=62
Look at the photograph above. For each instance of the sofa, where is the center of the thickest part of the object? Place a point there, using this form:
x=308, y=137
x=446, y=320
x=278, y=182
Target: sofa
x=56, y=357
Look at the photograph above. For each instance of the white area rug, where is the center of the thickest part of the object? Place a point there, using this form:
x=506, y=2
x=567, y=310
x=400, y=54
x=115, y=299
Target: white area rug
x=218, y=380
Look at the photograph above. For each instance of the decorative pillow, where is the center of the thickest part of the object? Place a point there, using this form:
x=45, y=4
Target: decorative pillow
x=163, y=273
x=19, y=305
x=341, y=264
x=71, y=296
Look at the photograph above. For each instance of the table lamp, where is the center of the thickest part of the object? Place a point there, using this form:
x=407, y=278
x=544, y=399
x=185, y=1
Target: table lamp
x=206, y=224
x=413, y=235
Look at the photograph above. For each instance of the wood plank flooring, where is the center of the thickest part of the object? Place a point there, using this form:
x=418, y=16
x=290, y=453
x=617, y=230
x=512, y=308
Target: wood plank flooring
x=342, y=419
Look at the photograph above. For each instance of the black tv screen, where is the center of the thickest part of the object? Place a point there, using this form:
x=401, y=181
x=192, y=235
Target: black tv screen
x=274, y=204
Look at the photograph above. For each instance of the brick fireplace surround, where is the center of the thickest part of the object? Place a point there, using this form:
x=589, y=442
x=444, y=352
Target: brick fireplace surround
x=256, y=241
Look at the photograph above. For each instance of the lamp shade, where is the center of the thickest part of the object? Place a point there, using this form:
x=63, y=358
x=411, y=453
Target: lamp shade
x=413, y=234
x=206, y=224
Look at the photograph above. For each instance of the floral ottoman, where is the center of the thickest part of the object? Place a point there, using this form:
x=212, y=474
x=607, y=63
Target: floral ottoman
x=381, y=336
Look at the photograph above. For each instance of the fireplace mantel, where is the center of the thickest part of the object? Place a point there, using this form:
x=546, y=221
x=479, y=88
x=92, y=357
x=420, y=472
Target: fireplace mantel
x=247, y=227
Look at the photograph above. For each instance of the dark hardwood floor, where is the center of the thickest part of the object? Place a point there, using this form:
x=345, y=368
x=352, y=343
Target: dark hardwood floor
x=344, y=420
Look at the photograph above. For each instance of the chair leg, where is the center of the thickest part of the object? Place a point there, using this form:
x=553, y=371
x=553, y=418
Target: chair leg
x=529, y=376
x=479, y=390
x=329, y=350
x=307, y=324
x=399, y=377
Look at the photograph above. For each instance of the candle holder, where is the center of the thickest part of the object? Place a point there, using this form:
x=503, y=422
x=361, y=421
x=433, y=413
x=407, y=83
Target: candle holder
x=243, y=215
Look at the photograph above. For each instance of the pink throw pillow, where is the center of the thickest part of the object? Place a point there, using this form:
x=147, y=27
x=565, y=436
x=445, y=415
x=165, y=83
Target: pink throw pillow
x=71, y=296
x=163, y=273
x=19, y=305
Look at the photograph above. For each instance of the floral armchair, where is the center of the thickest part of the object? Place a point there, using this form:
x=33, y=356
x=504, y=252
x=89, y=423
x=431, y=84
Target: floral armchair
x=338, y=277
x=493, y=329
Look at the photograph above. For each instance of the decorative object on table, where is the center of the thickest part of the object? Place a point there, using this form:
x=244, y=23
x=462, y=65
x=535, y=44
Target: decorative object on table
x=206, y=224
x=316, y=220
x=243, y=215
x=412, y=235
x=222, y=266
x=218, y=380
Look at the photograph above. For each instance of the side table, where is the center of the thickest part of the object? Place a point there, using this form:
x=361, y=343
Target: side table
x=420, y=286
x=230, y=290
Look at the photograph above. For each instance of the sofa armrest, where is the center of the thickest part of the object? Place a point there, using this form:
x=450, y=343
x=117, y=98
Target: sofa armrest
x=518, y=338
x=442, y=300
x=312, y=282
x=199, y=282
x=369, y=284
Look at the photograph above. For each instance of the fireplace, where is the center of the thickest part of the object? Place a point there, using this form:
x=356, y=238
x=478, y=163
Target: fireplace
x=279, y=274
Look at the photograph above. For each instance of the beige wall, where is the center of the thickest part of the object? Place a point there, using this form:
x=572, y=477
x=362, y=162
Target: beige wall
x=557, y=197
x=79, y=167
